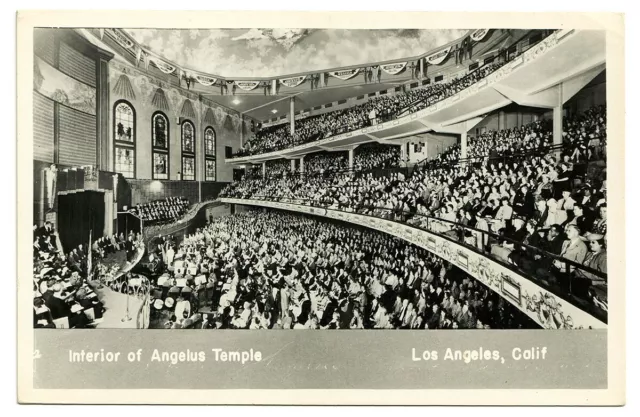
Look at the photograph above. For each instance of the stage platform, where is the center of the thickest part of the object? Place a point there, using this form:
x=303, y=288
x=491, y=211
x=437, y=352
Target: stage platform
x=115, y=302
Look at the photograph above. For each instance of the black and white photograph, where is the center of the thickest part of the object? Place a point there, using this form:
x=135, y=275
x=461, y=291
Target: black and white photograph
x=198, y=191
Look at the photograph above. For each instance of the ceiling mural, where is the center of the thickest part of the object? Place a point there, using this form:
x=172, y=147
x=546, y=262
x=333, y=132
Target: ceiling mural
x=274, y=52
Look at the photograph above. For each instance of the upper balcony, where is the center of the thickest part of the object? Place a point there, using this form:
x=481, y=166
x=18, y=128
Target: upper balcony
x=546, y=76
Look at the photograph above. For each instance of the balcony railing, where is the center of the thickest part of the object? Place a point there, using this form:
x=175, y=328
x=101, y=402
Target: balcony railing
x=583, y=287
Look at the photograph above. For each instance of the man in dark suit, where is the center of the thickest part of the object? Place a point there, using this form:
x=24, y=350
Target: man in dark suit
x=59, y=307
x=129, y=248
x=579, y=218
x=524, y=203
x=45, y=230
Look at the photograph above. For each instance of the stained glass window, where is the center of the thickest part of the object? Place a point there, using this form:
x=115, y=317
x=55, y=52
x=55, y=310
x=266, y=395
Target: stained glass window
x=124, y=119
x=188, y=151
x=188, y=137
x=210, y=170
x=209, y=142
x=160, y=166
x=125, y=162
x=188, y=168
x=160, y=130
x=124, y=138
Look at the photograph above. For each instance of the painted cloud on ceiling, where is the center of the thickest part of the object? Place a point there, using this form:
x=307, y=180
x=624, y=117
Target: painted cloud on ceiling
x=270, y=52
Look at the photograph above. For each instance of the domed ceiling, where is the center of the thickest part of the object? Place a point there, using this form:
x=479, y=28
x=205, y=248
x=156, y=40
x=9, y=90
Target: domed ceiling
x=275, y=52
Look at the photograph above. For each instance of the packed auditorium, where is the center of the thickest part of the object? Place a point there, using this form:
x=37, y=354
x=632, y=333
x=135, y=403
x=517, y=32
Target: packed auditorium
x=458, y=181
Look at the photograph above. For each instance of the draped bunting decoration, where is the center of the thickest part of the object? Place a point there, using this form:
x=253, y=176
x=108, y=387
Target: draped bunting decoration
x=160, y=100
x=247, y=85
x=438, y=57
x=122, y=39
x=162, y=66
x=345, y=74
x=293, y=81
x=393, y=69
x=123, y=88
x=479, y=34
x=205, y=80
x=220, y=115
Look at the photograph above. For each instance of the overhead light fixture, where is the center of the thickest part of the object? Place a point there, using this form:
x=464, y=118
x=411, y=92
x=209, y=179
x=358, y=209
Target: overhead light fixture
x=236, y=101
x=274, y=111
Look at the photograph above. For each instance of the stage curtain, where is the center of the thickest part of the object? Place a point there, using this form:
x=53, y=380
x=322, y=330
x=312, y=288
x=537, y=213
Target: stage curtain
x=78, y=213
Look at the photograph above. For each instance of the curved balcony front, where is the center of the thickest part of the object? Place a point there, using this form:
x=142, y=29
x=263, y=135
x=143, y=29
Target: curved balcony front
x=550, y=306
x=546, y=75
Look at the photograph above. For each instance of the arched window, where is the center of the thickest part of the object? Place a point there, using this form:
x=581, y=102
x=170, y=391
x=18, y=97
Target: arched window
x=188, y=151
x=210, y=154
x=160, y=146
x=124, y=138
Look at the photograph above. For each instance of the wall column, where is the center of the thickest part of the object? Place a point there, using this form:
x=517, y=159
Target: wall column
x=422, y=68
x=351, y=159
x=108, y=212
x=115, y=203
x=242, y=130
x=41, y=216
x=302, y=164
x=557, y=121
x=293, y=165
x=501, y=120
x=463, y=145
x=557, y=127
x=264, y=170
x=292, y=113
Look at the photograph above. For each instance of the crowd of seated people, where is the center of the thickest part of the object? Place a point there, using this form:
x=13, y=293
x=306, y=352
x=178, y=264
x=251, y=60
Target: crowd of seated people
x=375, y=155
x=584, y=138
x=62, y=296
x=375, y=110
x=267, y=269
x=322, y=162
x=277, y=168
x=161, y=211
x=366, y=157
x=526, y=198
